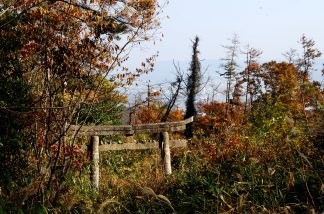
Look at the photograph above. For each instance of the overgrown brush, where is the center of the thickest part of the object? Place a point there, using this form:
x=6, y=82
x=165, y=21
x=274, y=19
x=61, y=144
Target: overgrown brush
x=239, y=175
x=210, y=178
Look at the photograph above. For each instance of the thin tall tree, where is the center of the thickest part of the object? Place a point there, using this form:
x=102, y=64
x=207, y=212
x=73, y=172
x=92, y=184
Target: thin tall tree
x=230, y=66
x=193, y=83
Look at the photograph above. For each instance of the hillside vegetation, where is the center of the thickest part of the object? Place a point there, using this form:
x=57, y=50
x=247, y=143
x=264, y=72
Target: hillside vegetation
x=260, y=150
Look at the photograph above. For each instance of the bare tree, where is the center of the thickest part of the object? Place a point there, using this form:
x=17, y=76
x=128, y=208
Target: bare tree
x=249, y=74
x=175, y=89
x=230, y=65
x=307, y=60
x=291, y=55
x=305, y=65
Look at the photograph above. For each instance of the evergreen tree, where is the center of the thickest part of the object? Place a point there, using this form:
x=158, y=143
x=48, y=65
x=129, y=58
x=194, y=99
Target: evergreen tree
x=193, y=83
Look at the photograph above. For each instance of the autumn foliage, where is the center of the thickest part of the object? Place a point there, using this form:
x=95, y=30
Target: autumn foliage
x=62, y=62
x=63, y=56
x=155, y=113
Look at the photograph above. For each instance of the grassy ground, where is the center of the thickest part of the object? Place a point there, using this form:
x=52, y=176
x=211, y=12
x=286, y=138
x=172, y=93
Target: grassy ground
x=207, y=178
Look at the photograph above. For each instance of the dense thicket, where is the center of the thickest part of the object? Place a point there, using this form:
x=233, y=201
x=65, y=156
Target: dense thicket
x=55, y=60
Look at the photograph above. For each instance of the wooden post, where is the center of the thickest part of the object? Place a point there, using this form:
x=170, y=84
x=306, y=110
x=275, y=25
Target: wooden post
x=167, y=156
x=95, y=162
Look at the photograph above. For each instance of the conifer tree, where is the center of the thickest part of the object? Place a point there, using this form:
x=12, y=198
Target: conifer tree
x=193, y=83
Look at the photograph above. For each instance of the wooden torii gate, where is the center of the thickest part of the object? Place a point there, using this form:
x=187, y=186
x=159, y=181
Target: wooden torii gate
x=129, y=131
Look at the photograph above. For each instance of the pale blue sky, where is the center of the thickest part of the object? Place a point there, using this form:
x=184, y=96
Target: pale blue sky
x=274, y=26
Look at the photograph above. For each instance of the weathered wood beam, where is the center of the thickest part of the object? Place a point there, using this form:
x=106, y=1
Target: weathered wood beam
x=137, y=146
x=142, y=130
x=101, y=130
